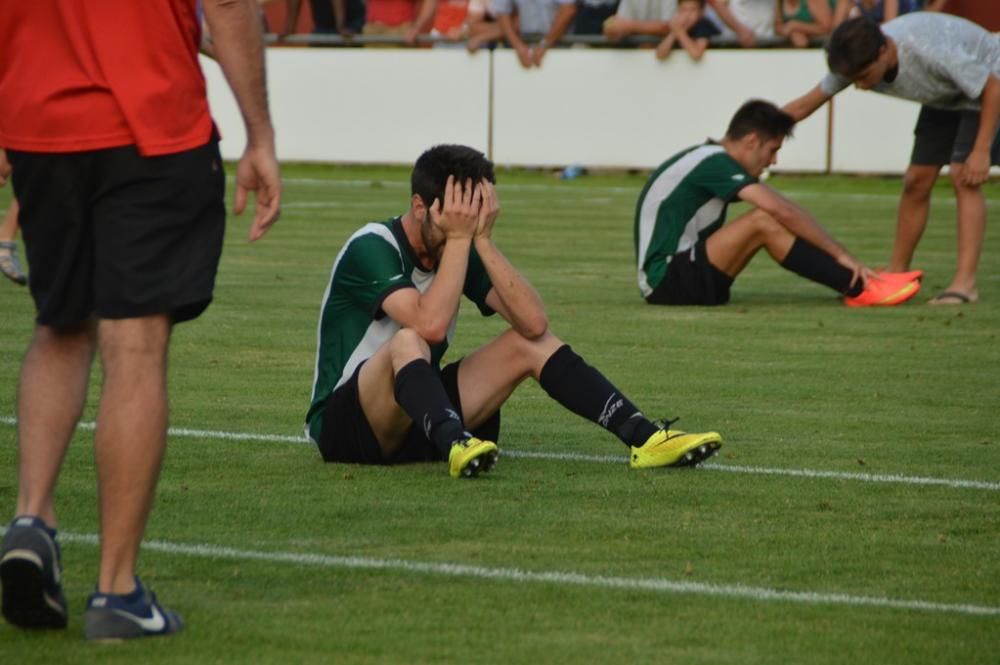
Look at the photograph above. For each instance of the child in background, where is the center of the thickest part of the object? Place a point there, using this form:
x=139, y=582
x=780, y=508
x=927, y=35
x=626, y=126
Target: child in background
x=690, y=29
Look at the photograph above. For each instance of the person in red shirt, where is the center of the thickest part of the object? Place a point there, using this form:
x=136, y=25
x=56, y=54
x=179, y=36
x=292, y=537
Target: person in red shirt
x=117, y=170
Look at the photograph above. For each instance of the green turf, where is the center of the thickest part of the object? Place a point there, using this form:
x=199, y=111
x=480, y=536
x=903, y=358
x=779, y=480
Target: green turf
x=791, y=378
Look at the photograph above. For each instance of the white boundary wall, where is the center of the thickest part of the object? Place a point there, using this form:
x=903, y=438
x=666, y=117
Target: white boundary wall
x=596, y=107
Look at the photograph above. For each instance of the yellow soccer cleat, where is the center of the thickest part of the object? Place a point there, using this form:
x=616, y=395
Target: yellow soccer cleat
x=669, y=447
x=470, y=457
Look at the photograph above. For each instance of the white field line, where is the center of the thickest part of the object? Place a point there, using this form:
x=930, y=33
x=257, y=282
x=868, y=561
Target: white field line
x=613, y=459
x=556, y=577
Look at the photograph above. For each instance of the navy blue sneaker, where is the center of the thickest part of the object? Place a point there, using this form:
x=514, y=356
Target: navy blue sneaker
x=111, y=616
x=31, y=575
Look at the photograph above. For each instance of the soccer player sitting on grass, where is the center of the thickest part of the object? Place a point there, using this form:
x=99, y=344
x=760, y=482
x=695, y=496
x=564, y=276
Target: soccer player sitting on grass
x=686, y=256
x=389, y=313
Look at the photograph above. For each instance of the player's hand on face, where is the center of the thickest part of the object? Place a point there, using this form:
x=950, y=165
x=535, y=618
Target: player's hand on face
x=459, y=215
x=489, y=211
x=976, y=169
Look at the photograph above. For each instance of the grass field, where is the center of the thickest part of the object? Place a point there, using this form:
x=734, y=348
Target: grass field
x=852, y=517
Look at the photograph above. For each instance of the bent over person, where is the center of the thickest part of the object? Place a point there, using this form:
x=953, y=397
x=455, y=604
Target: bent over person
x=117, y=170
x=389, y=313
x=951, y=66
x=688, y=255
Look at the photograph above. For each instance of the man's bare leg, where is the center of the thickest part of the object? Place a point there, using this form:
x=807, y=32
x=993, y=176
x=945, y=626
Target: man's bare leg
x=130, y=440
x=912, y=214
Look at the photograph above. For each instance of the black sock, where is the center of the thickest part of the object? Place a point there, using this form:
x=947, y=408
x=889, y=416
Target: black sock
x=420, y=392
x=586, y=392
x=815, y=264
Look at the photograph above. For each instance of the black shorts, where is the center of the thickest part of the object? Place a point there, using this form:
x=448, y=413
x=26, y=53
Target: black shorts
x=946, y=137
x=347, y=437
x=692, y=280
x=112, y=233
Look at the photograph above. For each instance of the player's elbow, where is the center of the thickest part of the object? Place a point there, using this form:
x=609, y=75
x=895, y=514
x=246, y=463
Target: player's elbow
x=433, y=332
x=535, y=326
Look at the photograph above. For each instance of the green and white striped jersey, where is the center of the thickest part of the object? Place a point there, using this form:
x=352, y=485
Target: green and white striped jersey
x=376, y=261
x=684, y=201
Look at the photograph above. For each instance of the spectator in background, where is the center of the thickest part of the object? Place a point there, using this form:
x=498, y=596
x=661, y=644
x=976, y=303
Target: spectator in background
x=9, y=264
x=800, y=20
x=592, y=14
x=882, y=11
x=756, y=16
x=470, y=20
x=719, y=15
x=640, y=17
x=330, y=17
x=690, y=29
x=549, y=18
x=406, y=18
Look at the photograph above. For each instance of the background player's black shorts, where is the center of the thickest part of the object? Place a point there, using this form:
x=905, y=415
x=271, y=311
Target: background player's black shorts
x=692, y=280
x=944, y=137
x=112, y=233
x=346, y=435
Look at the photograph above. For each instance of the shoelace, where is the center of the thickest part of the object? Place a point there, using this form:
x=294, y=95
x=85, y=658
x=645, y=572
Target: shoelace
x=665, y=424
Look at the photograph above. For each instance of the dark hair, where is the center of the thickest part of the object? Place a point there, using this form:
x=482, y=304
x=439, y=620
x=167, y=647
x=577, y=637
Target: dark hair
x=430, y=173
x=854, y=45
x=760, y=117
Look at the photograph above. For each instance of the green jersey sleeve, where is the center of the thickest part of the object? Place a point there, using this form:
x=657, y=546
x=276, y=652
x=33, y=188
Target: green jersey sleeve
x=722, y=176
x=370, y=270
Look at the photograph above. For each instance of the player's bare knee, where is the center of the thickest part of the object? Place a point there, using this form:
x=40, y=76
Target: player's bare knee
x=407, y=345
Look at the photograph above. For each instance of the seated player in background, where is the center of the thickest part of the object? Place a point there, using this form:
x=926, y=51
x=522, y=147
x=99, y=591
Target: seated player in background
x=390, y=311
x=687, y=256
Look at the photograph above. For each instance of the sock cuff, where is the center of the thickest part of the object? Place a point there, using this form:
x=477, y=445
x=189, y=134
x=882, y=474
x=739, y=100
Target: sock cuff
x=560, y=362
x=414, y=370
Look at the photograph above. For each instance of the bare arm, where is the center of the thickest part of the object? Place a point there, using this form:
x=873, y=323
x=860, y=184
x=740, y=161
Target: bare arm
x=807, y=104
x=239, y=49
x=560, y=24
x=292, y=10
x=890, y=10
x=512, y=37
x=801, y=224
x=694, y=47
x=744, y=34
x=4, y=167
x=936, y=6
x=977, y=166
x=430, y=313
x=512, y=296
x=425, y=17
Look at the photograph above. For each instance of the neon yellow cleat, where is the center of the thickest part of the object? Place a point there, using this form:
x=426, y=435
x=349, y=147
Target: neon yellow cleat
x=470, y=457
x=669, y=447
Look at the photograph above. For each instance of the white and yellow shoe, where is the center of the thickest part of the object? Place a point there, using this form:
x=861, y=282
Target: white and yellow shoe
x=669, y=447
x=470, y=457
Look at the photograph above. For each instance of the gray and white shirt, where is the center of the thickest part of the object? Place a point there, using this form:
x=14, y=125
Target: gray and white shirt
x=944, y=61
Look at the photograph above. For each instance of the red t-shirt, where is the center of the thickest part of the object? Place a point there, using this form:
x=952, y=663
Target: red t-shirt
x=80, y=75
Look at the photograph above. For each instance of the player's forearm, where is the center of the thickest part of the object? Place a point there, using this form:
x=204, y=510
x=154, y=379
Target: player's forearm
x=523, y=304
x=803, y=225
x=439, y=304
x=239, y=49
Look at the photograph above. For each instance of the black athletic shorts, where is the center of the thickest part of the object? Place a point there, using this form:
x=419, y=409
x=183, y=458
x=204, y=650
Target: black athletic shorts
x=692, y=280
x=346, y=435
x=112, y=233
x=945, y=137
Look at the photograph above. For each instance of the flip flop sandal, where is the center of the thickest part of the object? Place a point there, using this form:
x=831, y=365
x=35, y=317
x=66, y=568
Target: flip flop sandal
x=9, y=265
x=942, y=298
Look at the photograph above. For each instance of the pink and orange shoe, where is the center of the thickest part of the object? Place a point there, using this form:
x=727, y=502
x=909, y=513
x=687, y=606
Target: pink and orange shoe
x=909, y=275
x=890, y=289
